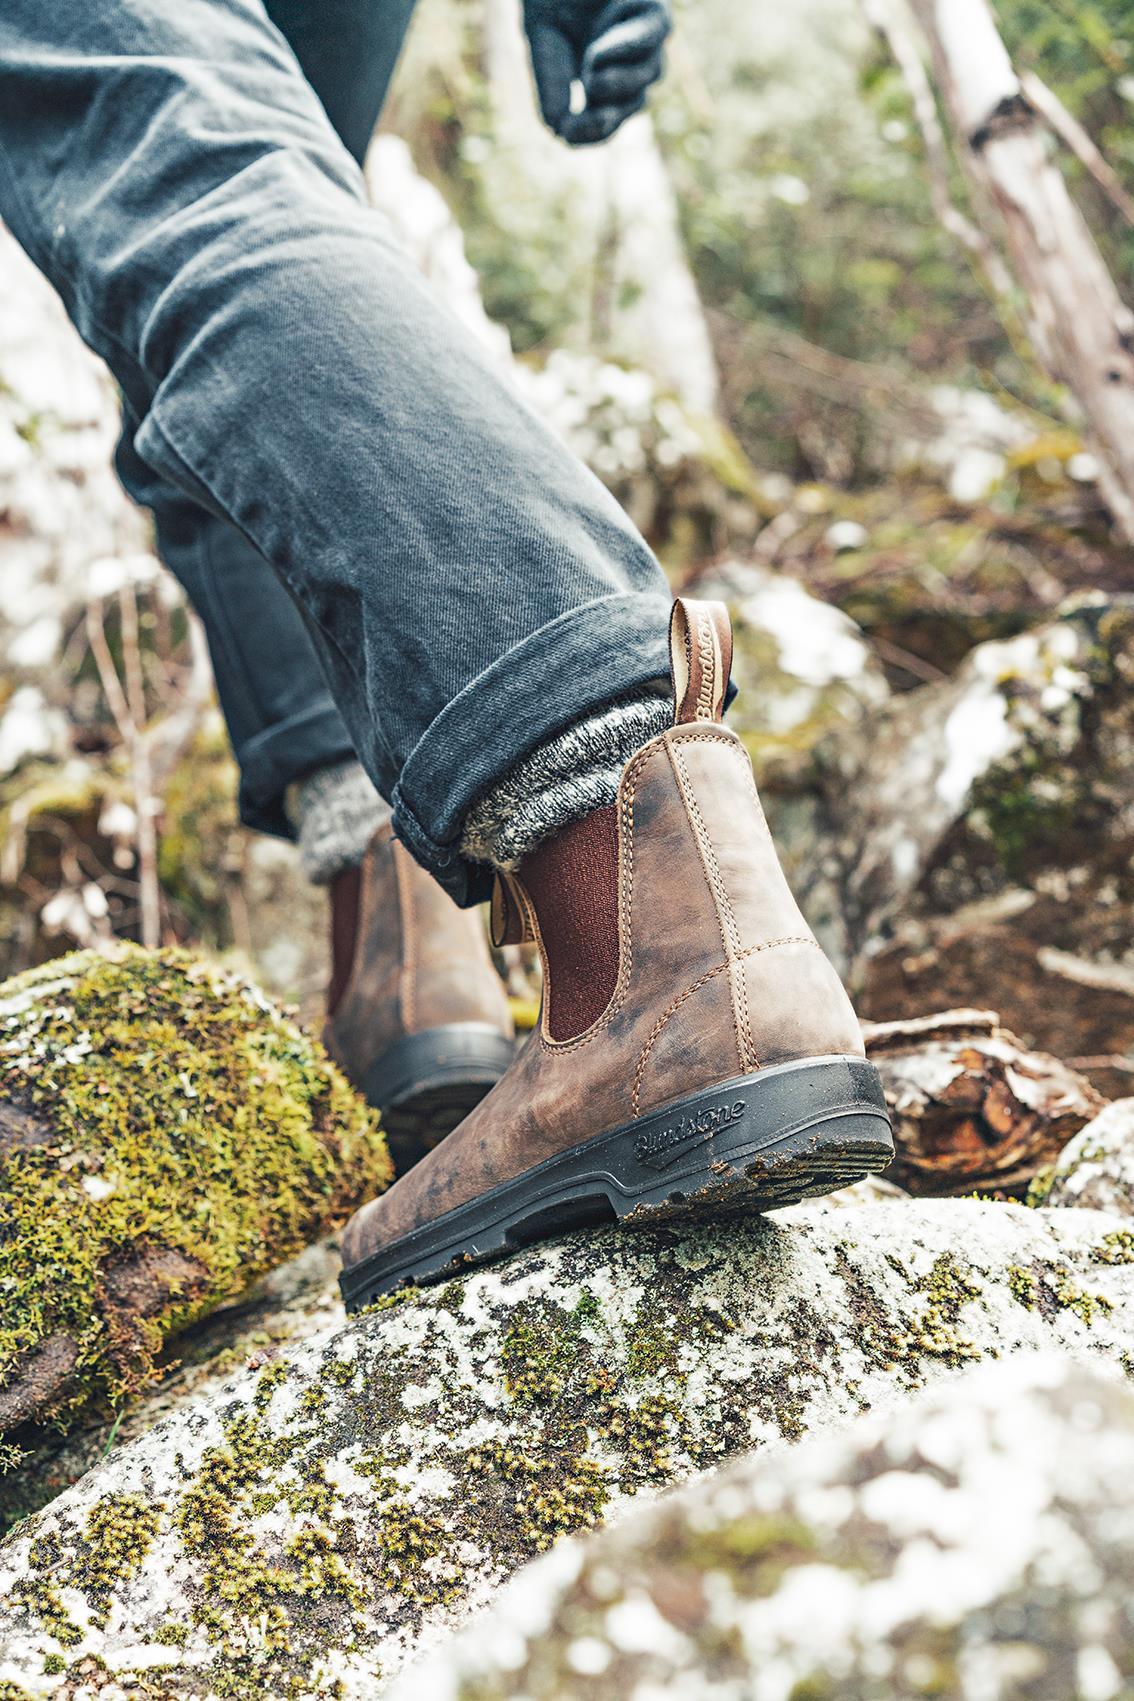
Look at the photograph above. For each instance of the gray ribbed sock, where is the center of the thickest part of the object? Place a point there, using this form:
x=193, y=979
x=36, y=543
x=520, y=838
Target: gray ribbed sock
x=563, y=779
x=336, y=812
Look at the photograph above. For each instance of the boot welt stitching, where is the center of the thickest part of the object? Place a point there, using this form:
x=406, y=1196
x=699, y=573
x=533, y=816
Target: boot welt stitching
x=730, y=934
x=750, y=951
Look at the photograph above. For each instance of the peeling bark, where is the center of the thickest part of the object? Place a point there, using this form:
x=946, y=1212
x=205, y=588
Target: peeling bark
x=38, y=1381
x=973, y=1110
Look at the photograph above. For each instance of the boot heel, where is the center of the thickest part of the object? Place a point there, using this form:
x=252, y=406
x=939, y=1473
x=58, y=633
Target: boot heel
x=752, y=1144
x=429, y=1082
x=756, y=1143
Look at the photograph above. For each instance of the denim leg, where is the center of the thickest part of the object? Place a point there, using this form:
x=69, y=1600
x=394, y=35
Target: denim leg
x=471, y=587
x=282, y=720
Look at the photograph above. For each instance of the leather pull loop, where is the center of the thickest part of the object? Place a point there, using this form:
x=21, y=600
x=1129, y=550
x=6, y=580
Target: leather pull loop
x=509, y=918
x=700, y=656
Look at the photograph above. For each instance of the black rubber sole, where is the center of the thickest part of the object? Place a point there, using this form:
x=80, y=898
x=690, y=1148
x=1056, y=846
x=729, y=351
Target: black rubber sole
x=753, y=1144
x=427, y=1083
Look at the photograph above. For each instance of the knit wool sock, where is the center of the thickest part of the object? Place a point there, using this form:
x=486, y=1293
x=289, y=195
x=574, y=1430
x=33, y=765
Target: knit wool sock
x=563, y=779
x=336, y=812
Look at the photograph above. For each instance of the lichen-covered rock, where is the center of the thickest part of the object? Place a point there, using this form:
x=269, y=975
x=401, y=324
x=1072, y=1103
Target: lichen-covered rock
x=165, y=1136
x=977, y=1545
x=803, y=670
x=982, y=838
x=289, y=1303
x=972, y=1109
x=801, y=666
x=1096, y=1168
x=330, y=1512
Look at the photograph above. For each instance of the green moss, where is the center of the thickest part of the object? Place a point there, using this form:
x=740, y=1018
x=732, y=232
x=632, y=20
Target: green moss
x=54, y=1664
x=650, y=1348
x=339, y=1372
x=538, y=1354
x=387, y=1301
x=935, y=1334
x=270, y=1378
x=1071, y=1298
x=42, y=1600
x=761, y=1546
x=172, y=1635
x=1040, y=1186
x=452, y=1296
x=1115, y=1248
x=586, y=1308
x=1027, y=808
x=1022, y=1286
x=178, y=1137
x=646, y=1433
x=119, y=1531
x=539, y=1494
x=11, y=1457
x=404, y=1541
x=815, y=1687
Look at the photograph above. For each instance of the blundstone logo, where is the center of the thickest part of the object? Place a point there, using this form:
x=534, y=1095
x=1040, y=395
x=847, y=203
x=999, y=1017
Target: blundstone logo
x=660, y=1146
x=706, y=660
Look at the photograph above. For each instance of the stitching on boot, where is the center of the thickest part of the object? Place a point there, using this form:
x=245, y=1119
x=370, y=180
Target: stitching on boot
x=407, y=967
x=661, y=1023
x=730, y=935
x=625, y=907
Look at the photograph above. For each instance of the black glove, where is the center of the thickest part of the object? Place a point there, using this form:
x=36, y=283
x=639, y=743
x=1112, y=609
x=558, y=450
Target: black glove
x=614, y=47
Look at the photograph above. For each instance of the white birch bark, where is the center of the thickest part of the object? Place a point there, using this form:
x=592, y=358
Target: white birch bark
x=1085, y=329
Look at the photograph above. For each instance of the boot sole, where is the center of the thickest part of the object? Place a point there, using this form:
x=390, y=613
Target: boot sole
x=429, y=1082
x=752, y=1144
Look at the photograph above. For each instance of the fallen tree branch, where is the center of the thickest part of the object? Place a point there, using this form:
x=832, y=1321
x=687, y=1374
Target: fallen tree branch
x=973, y=1109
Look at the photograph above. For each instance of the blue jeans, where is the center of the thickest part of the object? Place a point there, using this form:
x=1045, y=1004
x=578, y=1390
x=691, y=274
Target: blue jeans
x=392, y=555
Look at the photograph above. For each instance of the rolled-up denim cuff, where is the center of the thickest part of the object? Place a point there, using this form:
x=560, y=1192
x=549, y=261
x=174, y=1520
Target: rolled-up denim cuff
x=282, y=754
x=564, y=671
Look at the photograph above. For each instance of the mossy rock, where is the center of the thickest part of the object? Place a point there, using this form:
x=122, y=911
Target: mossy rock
x=166, y=1135
x=939, y=1551
x=301, y=1531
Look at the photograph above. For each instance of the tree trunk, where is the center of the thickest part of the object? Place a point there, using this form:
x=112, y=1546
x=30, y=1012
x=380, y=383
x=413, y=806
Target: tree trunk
x=1084, y=330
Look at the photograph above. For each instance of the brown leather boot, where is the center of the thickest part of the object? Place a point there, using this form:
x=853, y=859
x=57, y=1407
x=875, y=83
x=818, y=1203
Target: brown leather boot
x=696, y=1055
x=417, y=1016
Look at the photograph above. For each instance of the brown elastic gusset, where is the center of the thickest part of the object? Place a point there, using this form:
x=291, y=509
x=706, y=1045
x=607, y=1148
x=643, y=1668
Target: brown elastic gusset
x=346, y=901
x=572, y=880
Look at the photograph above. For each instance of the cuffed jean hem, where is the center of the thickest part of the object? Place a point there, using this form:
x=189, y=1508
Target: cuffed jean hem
x=289, y=751
x=561, y=673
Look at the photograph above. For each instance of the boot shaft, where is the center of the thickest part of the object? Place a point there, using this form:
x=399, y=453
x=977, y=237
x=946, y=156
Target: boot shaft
x=680, y=878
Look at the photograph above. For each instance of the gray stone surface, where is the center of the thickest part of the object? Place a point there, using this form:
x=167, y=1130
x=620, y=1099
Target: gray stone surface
x=325, y=1515
x=1096, y=1168
x=980, y=836
x=979, y=1546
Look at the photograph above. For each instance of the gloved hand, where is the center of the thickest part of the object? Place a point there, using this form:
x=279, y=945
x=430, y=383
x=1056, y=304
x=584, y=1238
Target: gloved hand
x=614, y=47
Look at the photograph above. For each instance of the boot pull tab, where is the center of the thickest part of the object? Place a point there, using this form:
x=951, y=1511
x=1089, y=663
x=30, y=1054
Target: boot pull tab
x=700, y=656
x=509, y=916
